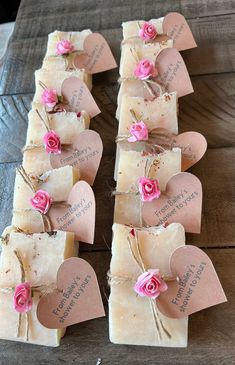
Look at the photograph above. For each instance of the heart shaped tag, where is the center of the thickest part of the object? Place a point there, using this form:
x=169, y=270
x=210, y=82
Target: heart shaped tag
x=193, y=144
x=180, y=203
x=79, y=217
x=177, y=28
x=78, y=97
x=78, y=297
x=172, y=73
x=97, y=55
x=85, y=153
x=198, y=286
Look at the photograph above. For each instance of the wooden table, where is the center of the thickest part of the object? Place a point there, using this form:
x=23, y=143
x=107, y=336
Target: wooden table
x=210, y=110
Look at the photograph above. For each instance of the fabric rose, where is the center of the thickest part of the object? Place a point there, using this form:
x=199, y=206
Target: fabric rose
x=52, y=142
x=41, y=201
x=64, y=47
x=148, y=189
x=150, y=284
x=139, y=132
x=49, y=97
x=148, y=32
x=22, y=299
x=145, y=69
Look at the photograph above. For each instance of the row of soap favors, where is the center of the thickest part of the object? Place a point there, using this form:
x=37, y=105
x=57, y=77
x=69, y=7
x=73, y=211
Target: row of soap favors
x=156, y=281
x=43, y=289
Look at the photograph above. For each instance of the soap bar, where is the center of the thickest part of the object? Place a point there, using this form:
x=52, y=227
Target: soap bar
x=53, y=61
x=67, y=126
x=132, y=166
x=57, y=183
x=42, y=254
x=158, y=113
x=53, y=80
x=131, y=28
x=132, y=54
x=131, y=319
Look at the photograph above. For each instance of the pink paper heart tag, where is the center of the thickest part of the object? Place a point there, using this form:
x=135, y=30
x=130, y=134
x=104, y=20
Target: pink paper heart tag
x=172, y=73
x=97, y=55
x=77, y=299
x=180, y=203
x=78, y=97
x=84, y=153
x=198, y=286
x=79, y=215
x=177, y=28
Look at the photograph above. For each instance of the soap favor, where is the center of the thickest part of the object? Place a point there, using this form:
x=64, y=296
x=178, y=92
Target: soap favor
x=28, y=270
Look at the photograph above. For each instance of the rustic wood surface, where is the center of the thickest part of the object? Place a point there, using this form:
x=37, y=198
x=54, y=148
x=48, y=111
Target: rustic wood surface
x=210, y=110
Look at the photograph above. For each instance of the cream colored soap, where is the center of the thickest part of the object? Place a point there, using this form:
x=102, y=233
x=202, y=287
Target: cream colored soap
x=53, y=79
x=131, y=319
x=58, y=183
x=131, y=54
x=158, y=113
x=53, y=61
x=131, y=28
x=42, y=254
x=132, y=166
x=67, y=125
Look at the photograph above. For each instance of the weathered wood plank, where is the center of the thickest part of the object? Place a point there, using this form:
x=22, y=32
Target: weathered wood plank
x=214, y=35
x=211, y=332
x=101, y=15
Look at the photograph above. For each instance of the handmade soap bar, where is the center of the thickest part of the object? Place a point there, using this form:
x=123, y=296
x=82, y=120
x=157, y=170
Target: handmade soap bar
x=132, y=166
x=57, y=183
x=67, y=126
x=131, y=29
x=54, y=61
x=131, y=317
x=158, y=113
x=132, y=54
x=53, y=80
x=41, y=254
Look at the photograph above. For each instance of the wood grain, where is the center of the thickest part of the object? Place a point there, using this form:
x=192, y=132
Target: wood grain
x=211, y=332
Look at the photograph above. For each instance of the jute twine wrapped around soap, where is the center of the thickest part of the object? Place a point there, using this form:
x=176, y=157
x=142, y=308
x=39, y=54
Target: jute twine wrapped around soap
x=45, y=218
x=122, y=280
x=43, y=289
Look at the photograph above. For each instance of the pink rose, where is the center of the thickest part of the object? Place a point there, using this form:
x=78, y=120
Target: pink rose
x=139, y=132
x=41, y=201
x=52, y=142
x=49, y=97
x=22, y=299
x=150, y=284
x=148, y=32
x=64, y=47
x=149, y=189
x=145, y=69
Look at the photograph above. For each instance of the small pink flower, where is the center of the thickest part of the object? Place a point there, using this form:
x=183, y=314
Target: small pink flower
x=22, y=299
x=149, y=189
x=150, y=284
x=52, y=142
x=64, y=47
x=147, y=32
x=145, y=69
x=49, y=97
x=41, y=201
x=139, y=132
